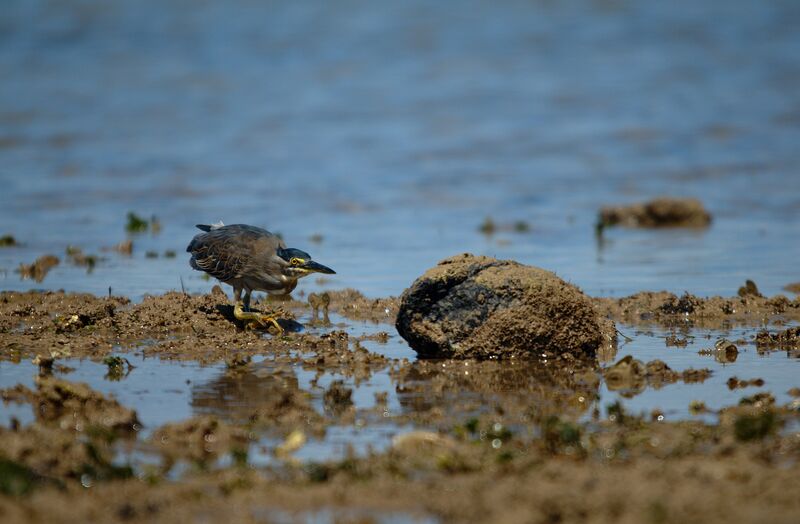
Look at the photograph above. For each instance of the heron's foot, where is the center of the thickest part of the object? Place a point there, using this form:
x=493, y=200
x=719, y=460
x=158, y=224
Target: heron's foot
x=255, y=320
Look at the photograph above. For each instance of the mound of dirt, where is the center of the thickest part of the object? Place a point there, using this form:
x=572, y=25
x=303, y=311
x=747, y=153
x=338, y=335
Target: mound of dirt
x=661, y=212
x=479, y=307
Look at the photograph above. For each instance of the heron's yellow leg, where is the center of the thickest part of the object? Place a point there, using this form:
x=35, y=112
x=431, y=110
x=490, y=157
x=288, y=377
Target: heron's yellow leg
x=252, y=319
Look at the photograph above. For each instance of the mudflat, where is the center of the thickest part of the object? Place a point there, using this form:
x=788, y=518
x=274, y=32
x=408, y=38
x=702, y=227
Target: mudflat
x=471, y=440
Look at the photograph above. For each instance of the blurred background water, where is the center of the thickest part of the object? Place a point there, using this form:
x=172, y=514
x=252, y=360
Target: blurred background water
x=392, y=130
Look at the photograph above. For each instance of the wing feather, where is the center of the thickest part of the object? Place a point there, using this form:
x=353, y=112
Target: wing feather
x=227, y=253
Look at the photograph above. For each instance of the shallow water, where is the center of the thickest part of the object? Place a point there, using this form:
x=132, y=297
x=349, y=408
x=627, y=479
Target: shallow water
x=394, y=131
x=778, y=369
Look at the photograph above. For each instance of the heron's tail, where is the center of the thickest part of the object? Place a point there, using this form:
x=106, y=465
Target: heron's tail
x=209, y=227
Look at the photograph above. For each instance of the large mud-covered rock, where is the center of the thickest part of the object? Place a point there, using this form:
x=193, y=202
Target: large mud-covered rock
x=480, y=307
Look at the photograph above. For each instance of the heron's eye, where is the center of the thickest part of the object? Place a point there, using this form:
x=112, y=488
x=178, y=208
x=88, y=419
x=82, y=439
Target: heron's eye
x=296, y=261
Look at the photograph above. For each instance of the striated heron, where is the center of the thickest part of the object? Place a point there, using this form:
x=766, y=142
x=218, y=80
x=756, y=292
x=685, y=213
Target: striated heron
x=250, y=259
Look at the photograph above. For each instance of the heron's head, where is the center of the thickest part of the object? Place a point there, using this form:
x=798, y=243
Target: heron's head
x=297, y=263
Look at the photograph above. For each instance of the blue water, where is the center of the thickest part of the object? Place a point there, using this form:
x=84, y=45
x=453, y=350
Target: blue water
x=394, y=130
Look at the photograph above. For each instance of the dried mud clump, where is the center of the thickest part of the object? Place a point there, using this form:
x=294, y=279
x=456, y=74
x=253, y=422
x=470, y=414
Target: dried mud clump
x=661, y=212
x=481, y=307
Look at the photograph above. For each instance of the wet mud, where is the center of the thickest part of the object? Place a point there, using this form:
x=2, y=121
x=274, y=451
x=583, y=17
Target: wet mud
x=712, y=312
x=474, y=440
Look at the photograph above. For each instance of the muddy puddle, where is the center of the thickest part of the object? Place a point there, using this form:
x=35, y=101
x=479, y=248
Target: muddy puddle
x=698, y=371
x=166, y=391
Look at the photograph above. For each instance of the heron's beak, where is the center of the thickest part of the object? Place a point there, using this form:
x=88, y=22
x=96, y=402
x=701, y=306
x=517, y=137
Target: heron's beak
x=314, y=267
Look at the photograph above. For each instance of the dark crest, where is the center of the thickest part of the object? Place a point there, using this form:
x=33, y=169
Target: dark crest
x=289, y=253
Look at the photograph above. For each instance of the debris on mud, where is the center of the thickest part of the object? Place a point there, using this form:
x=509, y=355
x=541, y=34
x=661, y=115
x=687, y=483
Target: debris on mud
x=661, y=212
x=39, y=268
x=480, y=307
x=786, y=339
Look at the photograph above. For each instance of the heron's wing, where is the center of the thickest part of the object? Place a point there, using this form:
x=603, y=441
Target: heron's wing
x=227, y=252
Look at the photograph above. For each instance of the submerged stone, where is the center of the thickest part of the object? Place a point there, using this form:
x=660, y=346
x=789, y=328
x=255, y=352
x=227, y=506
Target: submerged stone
x=480, y=307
